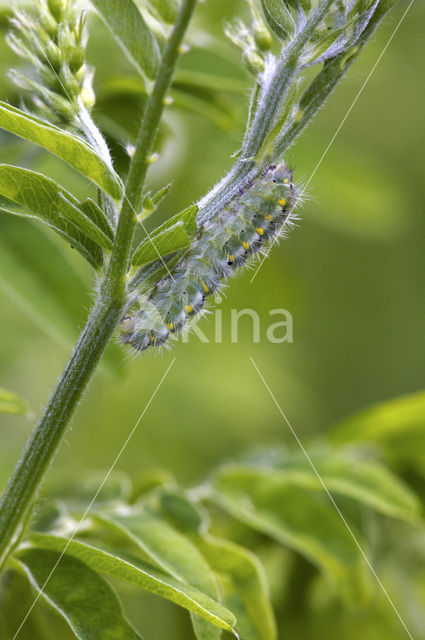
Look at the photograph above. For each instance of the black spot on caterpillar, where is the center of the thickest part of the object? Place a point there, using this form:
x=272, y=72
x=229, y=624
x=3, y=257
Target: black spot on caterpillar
x=222, y=245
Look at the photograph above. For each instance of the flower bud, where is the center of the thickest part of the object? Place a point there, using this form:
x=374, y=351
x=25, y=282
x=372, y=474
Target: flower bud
x=58, y=8
x=262, y=36
x=253, y=61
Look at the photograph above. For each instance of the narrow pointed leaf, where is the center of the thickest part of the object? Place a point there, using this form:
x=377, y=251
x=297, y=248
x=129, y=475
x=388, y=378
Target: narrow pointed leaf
x=74, y=150
x=12, y=403
x=130, y=569
x=244, y=587
x=278, y=18
x=49, y=202
x=157, y=245
x=46, y=284
x=130, y=30
x=366, y=481
x=187, y=216
x=205, y=105
x=304, y=520
x=90, y=250
x=346, y=473
x=170, y=551
x=77, y=593
x=398, y=426
x=16, y=599
x=41, y=283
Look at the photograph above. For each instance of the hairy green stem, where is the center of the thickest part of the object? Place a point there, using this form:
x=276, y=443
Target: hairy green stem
x=269, y=105
x=331, y=77
x=104, y=318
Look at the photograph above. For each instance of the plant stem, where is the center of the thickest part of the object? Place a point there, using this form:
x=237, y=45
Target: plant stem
x=48, y=434
x=338, y=67
x=269, y=105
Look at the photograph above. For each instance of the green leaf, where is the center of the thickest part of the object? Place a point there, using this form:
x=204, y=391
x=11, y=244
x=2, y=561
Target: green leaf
x=116, y=490
x=49, y=202
x=347, y=474
x=132, y=570
x=130, y=30
x=171, y=552
x=78, y=594
x=174, y=505
x=397, y=425
x=244, y=587
x=47, y=284
x=204, y=80
x=302, y=519
x=12, y=403
x=170, y=237
x=16, y=598
x=187, y=216
x=165, y=10
x=205, y=105
x=74, y=150
x=42, y=282
x=173, y=239
x=69, y=232
x=148, y=480
x=278, y=18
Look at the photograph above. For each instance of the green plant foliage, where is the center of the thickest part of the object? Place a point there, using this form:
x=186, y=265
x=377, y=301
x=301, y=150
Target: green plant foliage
x=162, y=543
x=51, y=203
x=302, y=519
x=42, y=198
x=131, y=31
x=172, y=552
x=161, y=243
x=67, y=146
x=11, y=402
x=78, y=594
x=51, y=216
x=278, y=18
x=130, y=569
x=397, y=425
x=16, y=598
x=344, y=473
x=243, y=585
x=53, y=299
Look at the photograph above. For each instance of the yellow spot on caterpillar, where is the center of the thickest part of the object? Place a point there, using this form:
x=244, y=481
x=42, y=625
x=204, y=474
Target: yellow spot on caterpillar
x=286, y=181
x=188, y=308
x=205, y=287
x=268, y=217
x=245, y=245
x=260, y=231
x=282, y=202
x=230, y=258
x=170, y=326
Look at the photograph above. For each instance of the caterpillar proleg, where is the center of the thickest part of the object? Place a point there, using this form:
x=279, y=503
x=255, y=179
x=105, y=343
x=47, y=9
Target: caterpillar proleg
x=222, y=245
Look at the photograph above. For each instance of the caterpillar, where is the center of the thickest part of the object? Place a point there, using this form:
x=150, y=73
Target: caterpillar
x=223, y=245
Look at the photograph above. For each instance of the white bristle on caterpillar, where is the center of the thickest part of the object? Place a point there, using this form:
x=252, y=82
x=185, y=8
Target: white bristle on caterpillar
x=223, y=244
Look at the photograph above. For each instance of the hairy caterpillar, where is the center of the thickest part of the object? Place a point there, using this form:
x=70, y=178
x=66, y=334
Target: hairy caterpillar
x=222, y=245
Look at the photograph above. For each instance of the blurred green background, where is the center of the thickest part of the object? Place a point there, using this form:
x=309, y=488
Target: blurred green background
x=352, y=275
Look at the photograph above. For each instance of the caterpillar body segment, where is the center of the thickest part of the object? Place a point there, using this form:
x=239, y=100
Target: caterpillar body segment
x=223, y=245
